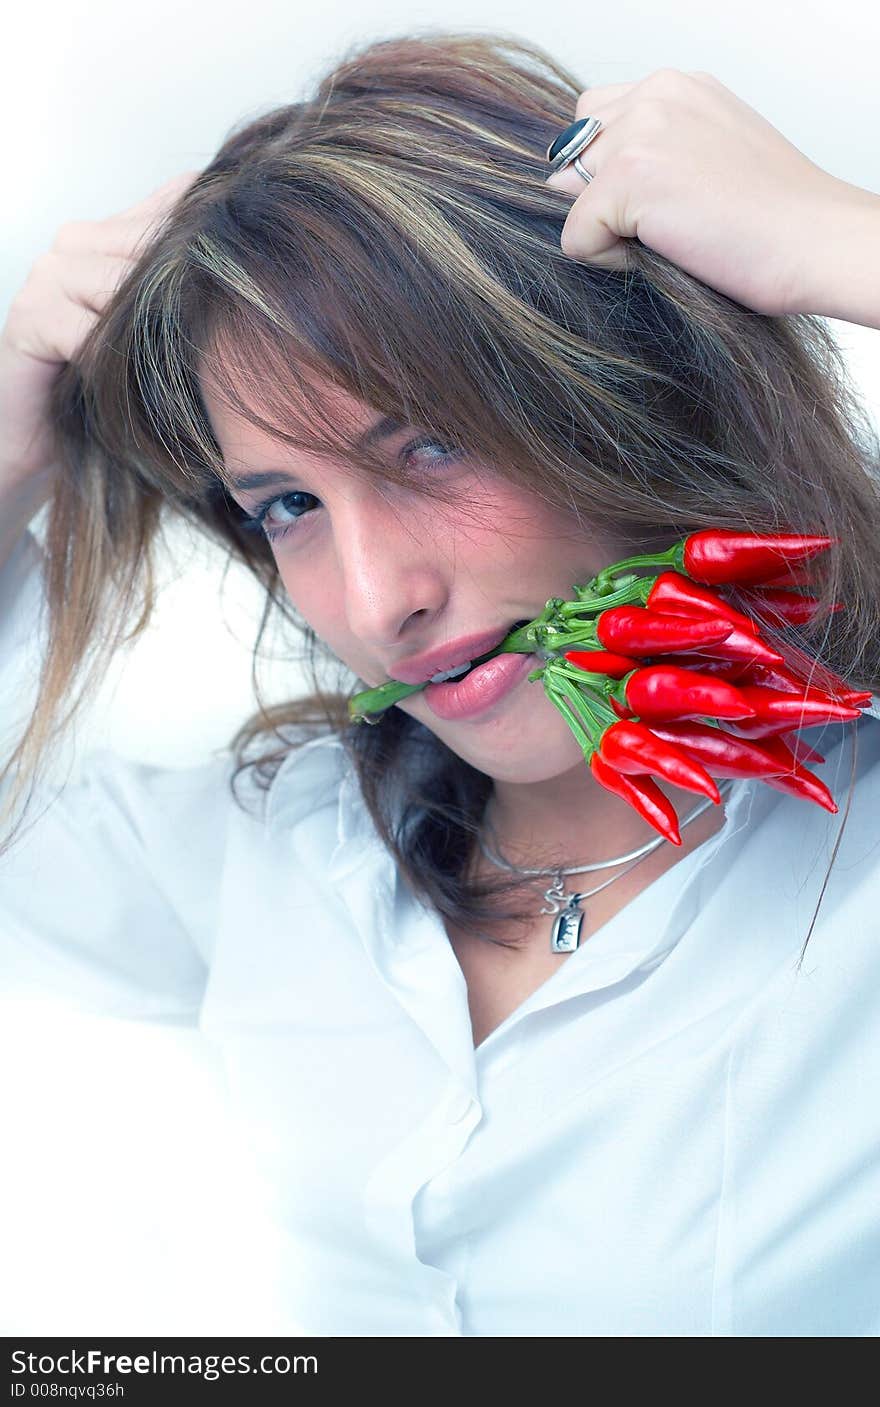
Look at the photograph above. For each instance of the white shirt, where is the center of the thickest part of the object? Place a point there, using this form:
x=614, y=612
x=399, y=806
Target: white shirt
x=677, y=1134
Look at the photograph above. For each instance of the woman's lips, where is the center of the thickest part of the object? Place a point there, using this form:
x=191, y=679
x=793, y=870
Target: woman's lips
x=421, y=668
x=479, y=690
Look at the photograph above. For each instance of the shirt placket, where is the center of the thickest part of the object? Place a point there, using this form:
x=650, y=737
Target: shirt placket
x=410, y=951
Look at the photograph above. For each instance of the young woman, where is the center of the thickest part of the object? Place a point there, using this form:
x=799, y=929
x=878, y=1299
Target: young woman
x=385, y=363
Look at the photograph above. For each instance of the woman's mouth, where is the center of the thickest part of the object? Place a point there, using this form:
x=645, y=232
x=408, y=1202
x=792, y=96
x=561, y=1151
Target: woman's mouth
x=478, y=687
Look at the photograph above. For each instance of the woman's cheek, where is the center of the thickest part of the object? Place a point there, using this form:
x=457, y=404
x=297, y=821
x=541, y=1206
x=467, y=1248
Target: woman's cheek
x=331, y=634
x=313, y=606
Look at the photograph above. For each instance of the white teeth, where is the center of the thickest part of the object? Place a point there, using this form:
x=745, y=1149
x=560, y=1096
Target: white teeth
x=450, y=673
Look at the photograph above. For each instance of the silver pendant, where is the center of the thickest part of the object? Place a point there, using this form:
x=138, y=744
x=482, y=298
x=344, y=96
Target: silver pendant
x=566, y=932
x=554, y=896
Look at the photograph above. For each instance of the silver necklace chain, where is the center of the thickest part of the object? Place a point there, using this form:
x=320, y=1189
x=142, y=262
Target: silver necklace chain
x=566, y=931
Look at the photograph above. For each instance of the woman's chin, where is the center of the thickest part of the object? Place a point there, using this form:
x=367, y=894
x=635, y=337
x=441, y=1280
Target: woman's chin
x=511, y=747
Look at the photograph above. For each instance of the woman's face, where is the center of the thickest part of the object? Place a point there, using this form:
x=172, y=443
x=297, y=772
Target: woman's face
x=382, y=573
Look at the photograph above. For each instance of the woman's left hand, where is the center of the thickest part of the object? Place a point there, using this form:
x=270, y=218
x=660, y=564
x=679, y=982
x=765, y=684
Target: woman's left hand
x=700, y=177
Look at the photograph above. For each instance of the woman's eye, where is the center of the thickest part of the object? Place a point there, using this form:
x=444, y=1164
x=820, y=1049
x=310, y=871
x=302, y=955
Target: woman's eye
x=268, y=519
x=447, y=453
x=274, y=522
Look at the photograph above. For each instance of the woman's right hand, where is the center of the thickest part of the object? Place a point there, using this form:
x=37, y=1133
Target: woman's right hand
x=48, y=319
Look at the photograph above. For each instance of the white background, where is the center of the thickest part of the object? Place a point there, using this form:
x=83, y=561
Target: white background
x=122, y=1206
x=106, y=100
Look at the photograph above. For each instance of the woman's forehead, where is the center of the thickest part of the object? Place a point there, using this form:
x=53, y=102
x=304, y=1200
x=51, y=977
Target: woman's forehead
x=242, y=438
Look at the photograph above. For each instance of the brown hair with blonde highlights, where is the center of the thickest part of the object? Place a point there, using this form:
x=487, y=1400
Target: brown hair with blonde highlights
x=393, y=235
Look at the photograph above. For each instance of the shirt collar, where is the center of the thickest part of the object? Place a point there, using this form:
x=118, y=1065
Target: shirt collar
x=318, y=774
x=307, y=778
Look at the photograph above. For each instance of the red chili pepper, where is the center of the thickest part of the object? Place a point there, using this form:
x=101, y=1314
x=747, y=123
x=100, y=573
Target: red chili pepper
x=793, y=779
x=789, y=683
x=763, y=728
x=723, y=554
x=740, y=645
x=731, y=761
x=780, y=677
x=722, y=754
x=772, y=603
x=806, y=785
x=797, y=574
x=660, y=691
x=633, y=630
x=809, y=671
x=802, y=751
x=676, y=595
x=734, y=670
x=642, y=794
x=802, y=710
x=634, y=749
x=743, y=671
x=774, y=677
x=602, y=662
x=778, y=747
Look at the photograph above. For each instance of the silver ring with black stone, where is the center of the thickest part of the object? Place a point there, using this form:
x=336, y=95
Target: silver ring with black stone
x=567, y=147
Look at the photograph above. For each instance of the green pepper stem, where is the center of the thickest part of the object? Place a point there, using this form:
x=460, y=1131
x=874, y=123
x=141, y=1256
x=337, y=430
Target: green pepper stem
x=630, y=590
x=377, y=700
x=575, y=717
x=594, y=687
x=661, y=559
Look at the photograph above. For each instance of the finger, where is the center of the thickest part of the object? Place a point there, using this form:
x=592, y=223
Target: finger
x=54, y=339
x=598, y=97
x=120, y=237
x=165, y=194
x=60, y=301
x=708, y=78
x=595, y=227
x=73, y=325
x=91, y=279
x=596, y=102
x=592, y=99
x=593, y=102
x=609, y=112
x=121, y=234
x=569, y=179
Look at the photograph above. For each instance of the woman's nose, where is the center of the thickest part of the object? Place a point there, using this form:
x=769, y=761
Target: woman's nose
x=392, y=565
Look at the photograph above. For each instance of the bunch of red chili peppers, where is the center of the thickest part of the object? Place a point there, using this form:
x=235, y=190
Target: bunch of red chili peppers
x=645, y=668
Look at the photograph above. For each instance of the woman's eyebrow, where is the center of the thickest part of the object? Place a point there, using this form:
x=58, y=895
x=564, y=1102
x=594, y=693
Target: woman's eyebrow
x=381, y=429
